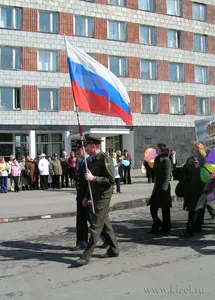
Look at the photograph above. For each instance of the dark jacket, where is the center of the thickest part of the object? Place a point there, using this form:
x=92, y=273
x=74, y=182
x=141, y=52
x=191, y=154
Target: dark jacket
x=64, y=165
x=193, y=184
x=103, y=169
x=161, y=196
x=81, y=182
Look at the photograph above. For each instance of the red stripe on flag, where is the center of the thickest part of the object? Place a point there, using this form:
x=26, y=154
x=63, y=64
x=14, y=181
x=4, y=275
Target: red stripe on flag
x=97, y=104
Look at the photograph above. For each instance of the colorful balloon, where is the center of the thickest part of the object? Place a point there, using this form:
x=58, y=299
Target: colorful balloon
x=151, y=163
x=210, y=167
x=126, y=163
x=212, y=175
x=211, y=157
x=150, y=154
x=204, y=175
x=211, y=197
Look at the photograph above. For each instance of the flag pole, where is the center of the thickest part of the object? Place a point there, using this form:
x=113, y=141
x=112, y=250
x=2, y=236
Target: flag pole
x=82, y=137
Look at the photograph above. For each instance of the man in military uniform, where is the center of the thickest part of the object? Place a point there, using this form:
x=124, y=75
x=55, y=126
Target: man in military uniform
x=101, y=178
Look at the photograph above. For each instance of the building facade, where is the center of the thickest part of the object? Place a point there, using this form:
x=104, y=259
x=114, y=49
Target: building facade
x=162, y=50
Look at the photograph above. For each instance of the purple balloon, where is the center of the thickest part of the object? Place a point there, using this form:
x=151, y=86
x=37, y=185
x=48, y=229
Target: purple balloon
x=210, y=197
x=211, y=157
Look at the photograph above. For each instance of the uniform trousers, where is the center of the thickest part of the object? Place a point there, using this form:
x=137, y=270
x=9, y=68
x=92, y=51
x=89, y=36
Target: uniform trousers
x=101, y=223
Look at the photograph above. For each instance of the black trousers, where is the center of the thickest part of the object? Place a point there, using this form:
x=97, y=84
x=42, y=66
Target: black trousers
x=65, y=180
x=127, y=174
x=44, y=182
x=16, y=183
x=56, y=182
x=166, y=221
x=117, y=181
x=84, y=215
x=195, y=220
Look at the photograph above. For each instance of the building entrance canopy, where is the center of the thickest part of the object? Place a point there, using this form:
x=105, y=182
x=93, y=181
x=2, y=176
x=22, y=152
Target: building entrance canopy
x=102, y=132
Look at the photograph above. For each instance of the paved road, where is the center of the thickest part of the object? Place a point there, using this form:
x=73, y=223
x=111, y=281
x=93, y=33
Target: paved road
x=62, y=202
x=36, y=264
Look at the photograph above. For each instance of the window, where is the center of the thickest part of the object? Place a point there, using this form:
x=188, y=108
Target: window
x=201, y=74
x=48, y=99
x=10, y=58
x=175, y=39
x=117, y=2
x=49, y=143
x=93, y=55
x=176, y=72
x=149, y=104
x=118, y=65
x=10, y=17
x=148, y=5
x=148, y=69
x=174, y=7
x=84, y=26
x=48, y=22
x=10, y=98
x=48, y=60
x=21, y=145
x=202, y=106
x=200, y=43
x=177, y=105
x=147, y=35
x=117, y=31
x=199, y=12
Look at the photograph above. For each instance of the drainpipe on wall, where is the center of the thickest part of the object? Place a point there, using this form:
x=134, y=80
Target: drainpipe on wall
x=32, y=143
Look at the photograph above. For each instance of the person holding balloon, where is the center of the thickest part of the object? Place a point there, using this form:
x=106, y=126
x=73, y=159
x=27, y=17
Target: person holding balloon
x=193, y=188
x=161, y=197
x=148, y=162
x=127, y=167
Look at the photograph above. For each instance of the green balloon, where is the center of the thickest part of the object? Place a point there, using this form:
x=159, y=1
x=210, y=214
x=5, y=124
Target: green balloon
x=204, y=175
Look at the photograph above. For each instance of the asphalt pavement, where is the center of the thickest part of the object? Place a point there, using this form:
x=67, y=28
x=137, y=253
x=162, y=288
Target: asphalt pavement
x=38, y=229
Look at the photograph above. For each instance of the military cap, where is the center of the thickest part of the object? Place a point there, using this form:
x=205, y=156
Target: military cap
x=92, y=140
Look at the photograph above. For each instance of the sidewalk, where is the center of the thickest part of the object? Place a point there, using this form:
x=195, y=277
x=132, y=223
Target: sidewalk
x=33, y=205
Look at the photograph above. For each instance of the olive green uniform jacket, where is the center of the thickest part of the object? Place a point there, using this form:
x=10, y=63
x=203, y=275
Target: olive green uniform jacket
x=103, y=169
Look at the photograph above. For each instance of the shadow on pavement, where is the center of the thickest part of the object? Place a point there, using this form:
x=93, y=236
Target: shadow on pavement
x=136, y=231
x=128, y=231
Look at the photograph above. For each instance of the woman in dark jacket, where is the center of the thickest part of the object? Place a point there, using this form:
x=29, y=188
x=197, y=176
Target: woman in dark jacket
x=161, y=197
x=193, y=188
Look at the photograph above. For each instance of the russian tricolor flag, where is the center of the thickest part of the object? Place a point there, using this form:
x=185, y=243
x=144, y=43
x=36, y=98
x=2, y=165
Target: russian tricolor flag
x=95, y=88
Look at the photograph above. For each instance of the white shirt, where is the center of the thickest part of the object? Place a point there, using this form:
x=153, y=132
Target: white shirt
x=43, y=166
x=116, y=168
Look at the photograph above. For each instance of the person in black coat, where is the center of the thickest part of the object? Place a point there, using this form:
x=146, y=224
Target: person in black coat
x=84, y=214
x=193, y=188
x=161, y=197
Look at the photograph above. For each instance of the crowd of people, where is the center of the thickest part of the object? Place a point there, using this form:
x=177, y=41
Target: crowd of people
x=193, y=189
x=44, y=172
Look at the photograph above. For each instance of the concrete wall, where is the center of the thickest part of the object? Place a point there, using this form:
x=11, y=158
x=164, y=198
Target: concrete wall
x=178, y=138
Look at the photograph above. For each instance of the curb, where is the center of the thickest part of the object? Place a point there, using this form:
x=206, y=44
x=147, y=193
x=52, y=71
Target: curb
x=118, y=206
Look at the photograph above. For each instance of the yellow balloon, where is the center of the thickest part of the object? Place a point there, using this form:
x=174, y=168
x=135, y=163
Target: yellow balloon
x=210, y=167
x=151, y=163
